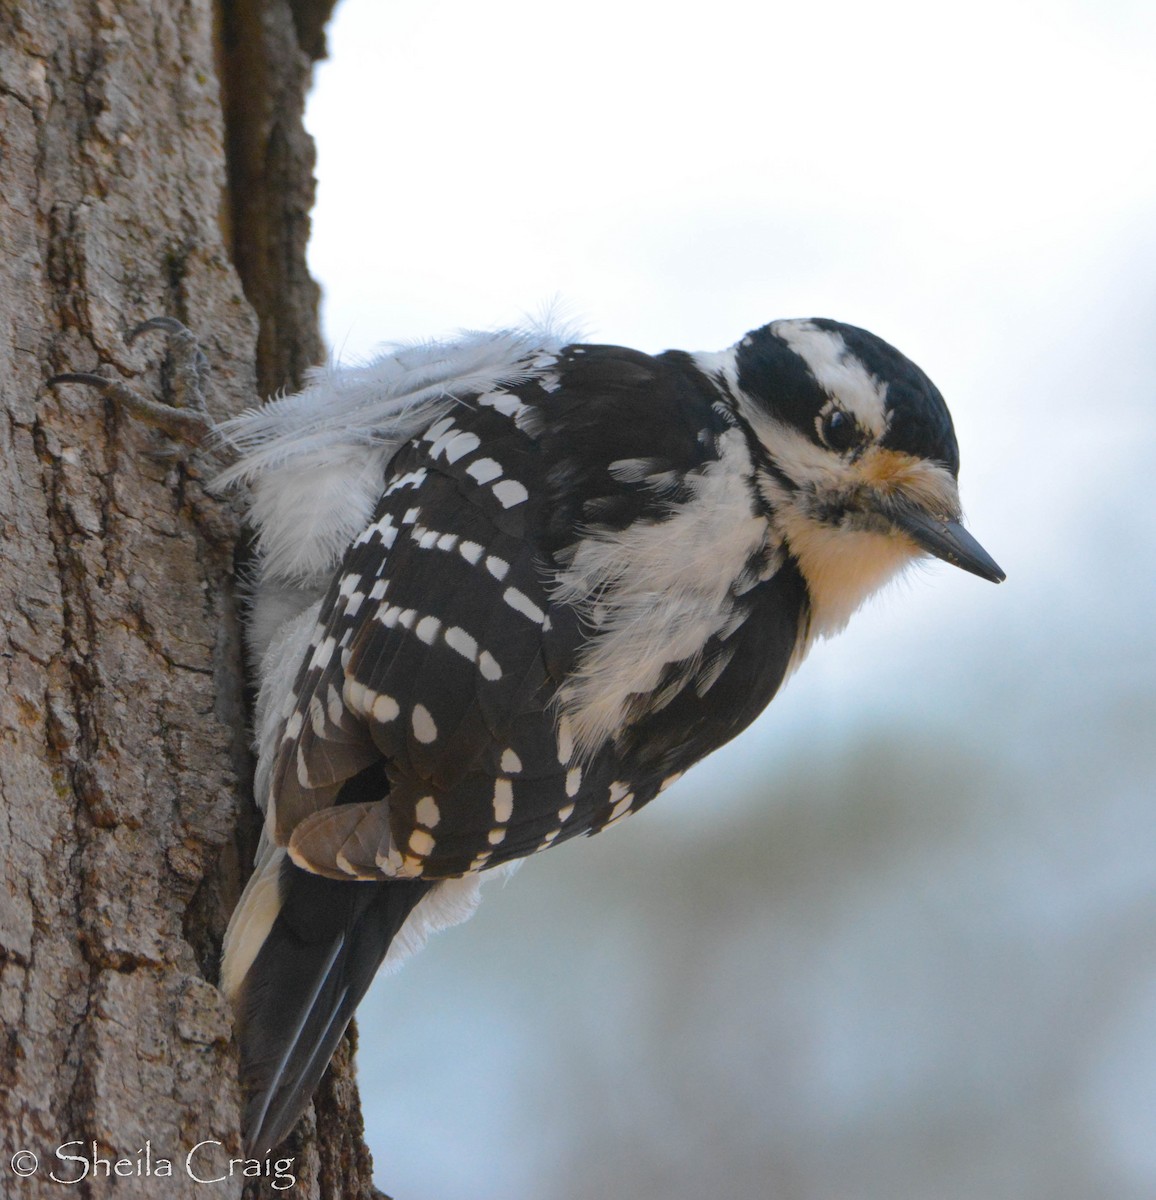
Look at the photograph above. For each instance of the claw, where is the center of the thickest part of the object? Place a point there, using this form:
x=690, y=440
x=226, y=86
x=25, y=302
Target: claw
x=97, y=381
x=187, y=421
x=169, y=324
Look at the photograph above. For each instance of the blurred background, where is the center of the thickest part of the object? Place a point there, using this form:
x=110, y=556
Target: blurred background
x=898, y=941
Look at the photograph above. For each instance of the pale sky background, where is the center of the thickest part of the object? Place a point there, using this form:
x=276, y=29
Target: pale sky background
x=898, y=941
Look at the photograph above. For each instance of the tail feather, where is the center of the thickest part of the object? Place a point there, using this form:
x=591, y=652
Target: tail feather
x=297, y=996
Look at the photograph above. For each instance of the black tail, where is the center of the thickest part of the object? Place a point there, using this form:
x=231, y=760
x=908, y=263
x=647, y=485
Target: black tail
x=320, y=956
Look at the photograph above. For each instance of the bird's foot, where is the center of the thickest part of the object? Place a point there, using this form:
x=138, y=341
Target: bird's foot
x=186, y=419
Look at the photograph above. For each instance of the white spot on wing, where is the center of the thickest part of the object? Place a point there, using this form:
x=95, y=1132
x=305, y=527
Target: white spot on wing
x=510, y=492
x=427, y=812
x=503, y=800
x=511, y=762
x=485, y=470
x=565, y=740
x=459, y=446
x=358, y=697
x=421, y=842
x=424, y=728
x=522, y=603
x=503, y=402
x=427, y=629
x=457, y=639
x=436, y=430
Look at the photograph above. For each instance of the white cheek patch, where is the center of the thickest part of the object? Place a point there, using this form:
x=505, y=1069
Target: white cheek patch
x=838, y=372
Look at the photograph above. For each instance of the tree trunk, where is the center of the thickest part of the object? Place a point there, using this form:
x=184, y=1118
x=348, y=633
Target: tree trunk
x=152, y=161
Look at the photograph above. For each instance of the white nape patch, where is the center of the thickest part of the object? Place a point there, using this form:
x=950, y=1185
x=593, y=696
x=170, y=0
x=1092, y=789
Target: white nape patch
x=424, y=728
x=252, y=919
x=522, y=603
x=722, y=367
x=838, y=372
x=511, y=763
x=485, y=470
x=663, y=590
x=503, y=800
x=510, y=493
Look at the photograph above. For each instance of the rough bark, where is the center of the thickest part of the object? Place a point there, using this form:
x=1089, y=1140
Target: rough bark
x=123, y=763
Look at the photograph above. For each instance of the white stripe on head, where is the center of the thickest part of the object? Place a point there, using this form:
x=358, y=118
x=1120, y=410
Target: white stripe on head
x=838, y=372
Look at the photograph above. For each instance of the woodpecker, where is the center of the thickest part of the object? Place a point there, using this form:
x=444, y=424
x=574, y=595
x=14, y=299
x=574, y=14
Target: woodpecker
x=508, y=589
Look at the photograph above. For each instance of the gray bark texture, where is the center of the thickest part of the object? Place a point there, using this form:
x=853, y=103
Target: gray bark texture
x=152, y=162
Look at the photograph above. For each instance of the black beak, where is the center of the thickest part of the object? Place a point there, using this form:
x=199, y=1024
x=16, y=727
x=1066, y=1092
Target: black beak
x=950, y=541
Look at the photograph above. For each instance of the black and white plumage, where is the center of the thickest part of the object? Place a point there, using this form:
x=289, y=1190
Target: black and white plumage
x=509, y=590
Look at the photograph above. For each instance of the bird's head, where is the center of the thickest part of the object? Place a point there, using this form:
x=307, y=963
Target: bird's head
x=857, y=459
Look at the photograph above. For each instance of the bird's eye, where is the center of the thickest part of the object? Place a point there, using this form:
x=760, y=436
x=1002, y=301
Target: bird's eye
x=838, y=429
